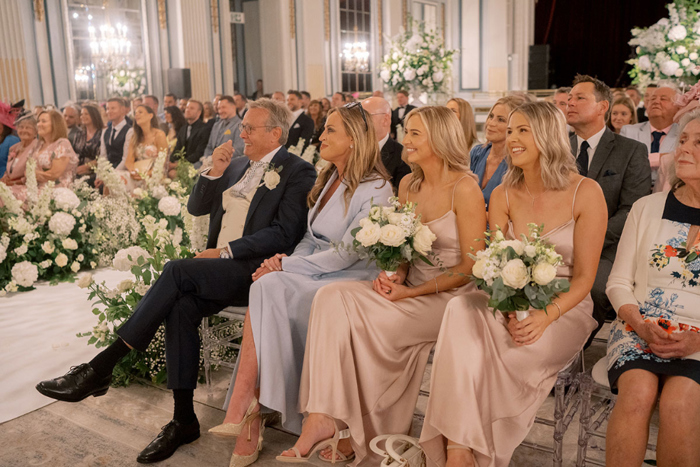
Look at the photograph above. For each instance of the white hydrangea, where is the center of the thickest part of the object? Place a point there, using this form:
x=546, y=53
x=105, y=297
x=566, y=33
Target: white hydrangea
x=21, y=250
x=25, y=273
x=65, y=199
x=677, y=33
x=645, y=63
x=159, y=192
x=409, y=74
x=669, y=68
x=438, y=76
x=3, y=252
x=61, y=223
x=21, y=225
x=169, y=205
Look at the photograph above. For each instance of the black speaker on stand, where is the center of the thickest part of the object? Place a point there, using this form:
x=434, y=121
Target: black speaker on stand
x=179, y=82
x=538, y=67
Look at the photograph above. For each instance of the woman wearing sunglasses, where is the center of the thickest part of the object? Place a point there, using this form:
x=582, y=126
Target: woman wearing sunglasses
x=368, y=342
x=268, y=369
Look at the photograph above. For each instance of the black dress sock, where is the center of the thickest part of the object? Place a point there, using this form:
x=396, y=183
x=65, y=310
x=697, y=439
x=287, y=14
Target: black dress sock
x=184, y=406
x=105, y=361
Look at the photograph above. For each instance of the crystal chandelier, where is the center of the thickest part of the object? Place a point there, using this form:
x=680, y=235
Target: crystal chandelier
x=112, y=44
x=355, y=57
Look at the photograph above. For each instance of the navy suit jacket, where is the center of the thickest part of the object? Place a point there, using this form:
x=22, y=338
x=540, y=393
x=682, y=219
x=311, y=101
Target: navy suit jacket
x=276, y=220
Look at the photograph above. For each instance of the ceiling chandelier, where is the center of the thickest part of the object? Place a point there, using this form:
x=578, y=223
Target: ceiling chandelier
x=111, y=45
x=355, y=57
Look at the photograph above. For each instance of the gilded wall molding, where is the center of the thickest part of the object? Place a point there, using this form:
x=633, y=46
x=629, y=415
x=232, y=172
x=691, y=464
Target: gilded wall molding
x=39, y=10
x=162, y=15
x=443, y=22
x=292, y=19
x=380, y=21
x=404, y=9
x=214, y=15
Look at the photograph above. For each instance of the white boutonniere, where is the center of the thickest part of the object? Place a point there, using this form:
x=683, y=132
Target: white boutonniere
x=271, y=177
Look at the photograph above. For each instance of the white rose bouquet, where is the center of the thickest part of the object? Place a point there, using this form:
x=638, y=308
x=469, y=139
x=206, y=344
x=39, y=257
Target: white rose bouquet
x=518, y=274
x=392, y=235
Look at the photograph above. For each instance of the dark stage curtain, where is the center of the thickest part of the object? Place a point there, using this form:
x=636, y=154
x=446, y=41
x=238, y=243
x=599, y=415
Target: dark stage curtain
x=590, y=37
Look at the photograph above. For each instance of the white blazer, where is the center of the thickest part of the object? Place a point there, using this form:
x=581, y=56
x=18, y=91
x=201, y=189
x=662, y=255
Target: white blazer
x=642, y=132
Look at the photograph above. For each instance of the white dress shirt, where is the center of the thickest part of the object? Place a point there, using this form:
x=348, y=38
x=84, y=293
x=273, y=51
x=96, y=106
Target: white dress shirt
x=383, y=141
x=295, y=115
x=115, y=131
x=592, y=143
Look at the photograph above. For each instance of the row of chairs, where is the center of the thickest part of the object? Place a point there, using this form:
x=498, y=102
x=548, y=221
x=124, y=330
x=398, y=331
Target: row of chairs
x=574, y=391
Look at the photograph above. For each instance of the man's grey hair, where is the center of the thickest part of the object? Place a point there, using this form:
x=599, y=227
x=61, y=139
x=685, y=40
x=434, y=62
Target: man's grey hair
x=278, y=115
x=563, y=90
x=670, y=85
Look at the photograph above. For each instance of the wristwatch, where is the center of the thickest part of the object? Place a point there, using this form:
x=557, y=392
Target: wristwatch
x=223, y=254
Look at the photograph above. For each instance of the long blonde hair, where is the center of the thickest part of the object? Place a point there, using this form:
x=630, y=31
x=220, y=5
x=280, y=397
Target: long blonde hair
x=445, y=138
x=466, y=118
x=552, y=140
x=364, y=163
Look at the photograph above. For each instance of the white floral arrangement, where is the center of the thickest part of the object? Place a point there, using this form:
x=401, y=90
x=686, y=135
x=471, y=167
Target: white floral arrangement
x=392, y=235
x=670, y=48
x=417, y=60
x=518, y=274
x=298, y=148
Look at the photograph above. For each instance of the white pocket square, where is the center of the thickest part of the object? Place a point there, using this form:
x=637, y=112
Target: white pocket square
x=296, y=125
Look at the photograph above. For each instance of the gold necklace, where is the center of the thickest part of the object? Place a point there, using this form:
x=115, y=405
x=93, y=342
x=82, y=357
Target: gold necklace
x=533, y=197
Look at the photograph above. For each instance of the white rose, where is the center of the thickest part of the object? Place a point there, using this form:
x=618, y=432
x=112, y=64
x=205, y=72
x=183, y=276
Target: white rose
x=645, y=63
x=478, y=268
x=517, y=245
x=685, y=62
x=3, y=252
x=138, y=192
x=75, y=267
x=169, y=205
x=61, y=260
x=375, y=213
x=498, y=236
x=45, y=264
x=385, y=75
x=395, y=56
x=680, y=50
x=142, y=288
x=677, y=33
x=696, y=70
x=125, y=285
x=25, y=273
x=438, y=76
x=65, y=199
x=423, y=240
x=514, y=274
x=271, y=179
x=394, y=67
x=121, y=260
x=61, y=223
x=422, y=70
x=427, y=82
x=678, y=73
x=669, y=68
x=392, y=235
x=85, y=280
x=409, y=74
x=369, y=234
x=159, y=192
x=386, y=210
x=544, y=273
x=530, y=250
x=21, y=250
x=80, y=258
x=693, y=56
x=69, y=244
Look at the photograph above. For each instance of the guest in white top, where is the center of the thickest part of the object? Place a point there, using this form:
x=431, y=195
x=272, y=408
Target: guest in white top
x=654, y=344
x=659, y=134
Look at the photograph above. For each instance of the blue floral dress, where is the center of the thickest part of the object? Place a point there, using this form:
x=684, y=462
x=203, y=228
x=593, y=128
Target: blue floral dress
x=673, y=299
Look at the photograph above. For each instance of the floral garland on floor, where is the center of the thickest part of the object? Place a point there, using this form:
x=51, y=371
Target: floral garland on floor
x=669, y=49
x=417, y=61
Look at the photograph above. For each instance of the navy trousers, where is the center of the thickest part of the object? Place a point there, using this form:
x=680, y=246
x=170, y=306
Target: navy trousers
x=187, y=291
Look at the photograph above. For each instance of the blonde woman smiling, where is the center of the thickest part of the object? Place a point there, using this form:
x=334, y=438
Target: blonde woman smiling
x=274, y=332
x=369, y=342
x=491, y=374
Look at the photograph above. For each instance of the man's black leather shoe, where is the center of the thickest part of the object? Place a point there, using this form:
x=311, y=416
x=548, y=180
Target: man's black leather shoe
x=174, y=435
x=80, y=382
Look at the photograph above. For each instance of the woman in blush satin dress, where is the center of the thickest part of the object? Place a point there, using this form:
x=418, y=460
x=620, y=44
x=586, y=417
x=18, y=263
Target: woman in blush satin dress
x=491, y=374
x=369, y=342
x=267, y=373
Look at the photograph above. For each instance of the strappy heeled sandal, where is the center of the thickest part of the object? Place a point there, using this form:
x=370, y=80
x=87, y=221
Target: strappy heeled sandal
x=243, y=461
x=330, y=442
x=231, y=430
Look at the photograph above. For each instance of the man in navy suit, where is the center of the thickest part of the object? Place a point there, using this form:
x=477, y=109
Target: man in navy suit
x=253, y=216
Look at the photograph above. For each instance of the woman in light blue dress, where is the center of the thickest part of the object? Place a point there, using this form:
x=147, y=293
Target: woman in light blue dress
x=268, y=370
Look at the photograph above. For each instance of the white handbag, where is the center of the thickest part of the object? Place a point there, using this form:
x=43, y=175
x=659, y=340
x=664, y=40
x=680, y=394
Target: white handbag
x=399, y=451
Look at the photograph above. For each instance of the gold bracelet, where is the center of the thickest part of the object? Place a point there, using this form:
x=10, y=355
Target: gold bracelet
x=436, y=285
x=557, y=305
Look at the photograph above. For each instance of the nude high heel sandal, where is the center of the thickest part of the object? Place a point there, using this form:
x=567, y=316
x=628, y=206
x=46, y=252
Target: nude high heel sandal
x=243, y=461
x=231, y=430
x=330, y=442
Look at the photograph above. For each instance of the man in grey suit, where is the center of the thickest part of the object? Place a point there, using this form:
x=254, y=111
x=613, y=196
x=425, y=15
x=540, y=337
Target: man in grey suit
x=620, y=166
x=659, y=134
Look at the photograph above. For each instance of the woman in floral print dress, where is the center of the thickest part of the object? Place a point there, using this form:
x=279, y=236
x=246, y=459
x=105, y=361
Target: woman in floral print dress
x=654, y=344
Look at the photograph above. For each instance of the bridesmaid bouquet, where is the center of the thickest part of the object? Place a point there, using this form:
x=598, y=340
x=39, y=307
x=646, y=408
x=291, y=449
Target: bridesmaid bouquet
x=518, y=274
x=392, y=235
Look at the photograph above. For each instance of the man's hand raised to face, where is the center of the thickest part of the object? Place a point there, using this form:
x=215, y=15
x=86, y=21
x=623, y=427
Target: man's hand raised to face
x=221, y=157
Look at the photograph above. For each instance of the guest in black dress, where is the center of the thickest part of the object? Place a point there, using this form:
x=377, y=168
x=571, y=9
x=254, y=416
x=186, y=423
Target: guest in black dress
x=88, y=140
x=315, y=111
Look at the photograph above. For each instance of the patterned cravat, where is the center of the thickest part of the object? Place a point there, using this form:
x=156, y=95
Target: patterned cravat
x=246, y=184
x=656, y=142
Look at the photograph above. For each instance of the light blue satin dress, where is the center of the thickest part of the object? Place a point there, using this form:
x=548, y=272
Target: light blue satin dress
x=280, y=302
